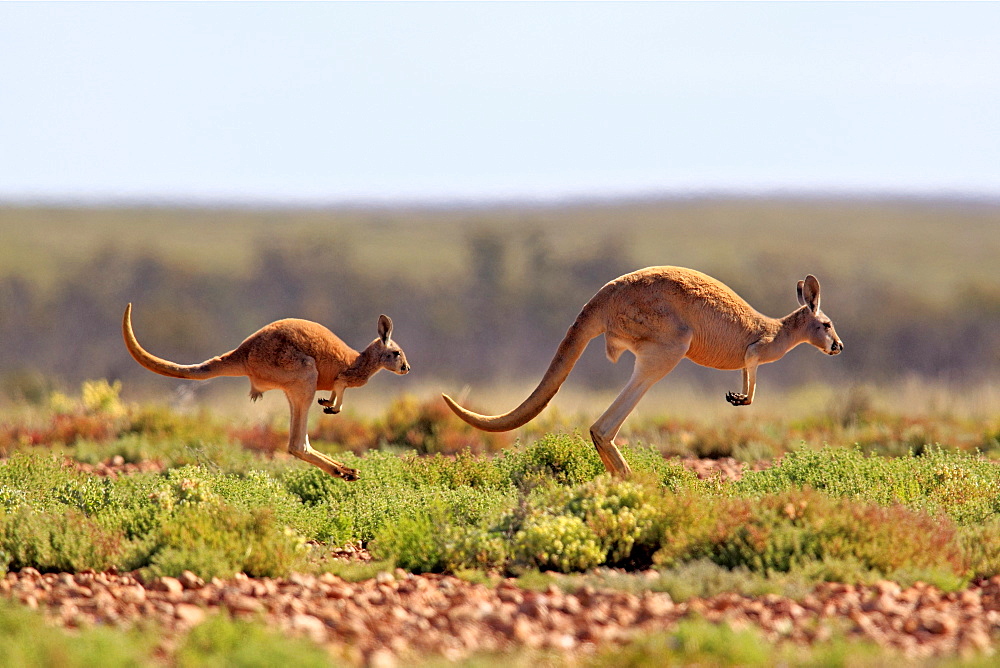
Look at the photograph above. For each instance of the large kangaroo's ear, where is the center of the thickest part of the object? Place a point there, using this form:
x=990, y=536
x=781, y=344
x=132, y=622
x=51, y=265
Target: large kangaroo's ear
x=384, y=328
x=809, y=293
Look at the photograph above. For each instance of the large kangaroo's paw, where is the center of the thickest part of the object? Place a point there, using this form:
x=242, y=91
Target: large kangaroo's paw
x=328, y=406
x=737, y=399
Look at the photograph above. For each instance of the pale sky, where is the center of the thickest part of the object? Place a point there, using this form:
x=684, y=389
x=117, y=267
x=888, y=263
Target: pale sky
x=342, y=102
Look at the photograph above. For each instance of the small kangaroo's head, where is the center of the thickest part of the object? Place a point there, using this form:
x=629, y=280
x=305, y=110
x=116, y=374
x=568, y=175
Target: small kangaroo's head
x=390, y=355
x=819, y=329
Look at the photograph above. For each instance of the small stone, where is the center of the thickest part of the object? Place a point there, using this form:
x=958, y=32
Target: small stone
x=657, y=605
x=131, y=594
x=167, y=584
x=189, y=580
x=311, y=626
x=188, y=614
x=382, y=658
x=242, y=603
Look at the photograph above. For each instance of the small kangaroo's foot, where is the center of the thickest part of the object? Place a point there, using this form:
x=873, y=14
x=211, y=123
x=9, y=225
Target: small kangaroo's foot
x=347, y=473
x=737, y=399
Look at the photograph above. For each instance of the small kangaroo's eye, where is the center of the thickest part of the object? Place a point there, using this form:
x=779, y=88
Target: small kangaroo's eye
x=395, y=353
x=826, y=325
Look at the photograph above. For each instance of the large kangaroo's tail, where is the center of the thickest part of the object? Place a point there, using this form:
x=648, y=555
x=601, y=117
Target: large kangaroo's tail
x=585, y=328
x=226, y=365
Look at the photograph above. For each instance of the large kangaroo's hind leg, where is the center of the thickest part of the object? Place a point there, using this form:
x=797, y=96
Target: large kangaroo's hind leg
x=300, y=395
x=653, y=361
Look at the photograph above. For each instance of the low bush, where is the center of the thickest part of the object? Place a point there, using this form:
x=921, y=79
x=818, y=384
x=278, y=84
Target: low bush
x=219, y=540
x=221, y=641
x=28, y=642
x=965, y=487
x=57, y=541
x=821, y=514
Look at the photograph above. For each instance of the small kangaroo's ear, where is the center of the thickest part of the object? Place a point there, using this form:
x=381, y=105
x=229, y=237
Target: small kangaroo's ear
x=384, y=328
x=798, y=293
x=809, y=293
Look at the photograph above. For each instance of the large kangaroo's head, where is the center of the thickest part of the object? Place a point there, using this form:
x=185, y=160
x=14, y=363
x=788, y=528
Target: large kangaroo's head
x=819, y=329
x=390, y=355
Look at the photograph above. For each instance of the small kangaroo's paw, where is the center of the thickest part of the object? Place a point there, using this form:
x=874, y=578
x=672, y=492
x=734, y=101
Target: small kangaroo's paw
x=330, y=410
x=347, y=473
x=324, y=402
x=737, y=399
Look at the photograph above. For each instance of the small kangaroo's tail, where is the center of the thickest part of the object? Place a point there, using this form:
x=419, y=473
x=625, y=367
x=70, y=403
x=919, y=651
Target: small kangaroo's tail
x=585, y=328
x=225, y=365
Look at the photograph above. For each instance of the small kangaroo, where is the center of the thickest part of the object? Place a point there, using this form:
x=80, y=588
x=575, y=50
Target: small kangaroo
x=662, y=315
x=299, y=357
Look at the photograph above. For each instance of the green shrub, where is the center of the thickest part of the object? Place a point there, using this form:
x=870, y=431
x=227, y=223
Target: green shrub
x=785, y=531
x=557, y=542
x=647, y=461
x=27, y=641
x=221, y=641
x=30, y=478
x=413, y=542
x=693, y=642
x=965, y=487
x=392, y=487
x=58, y=541
x=561, y=458
x=621, y=514
x=219, y=540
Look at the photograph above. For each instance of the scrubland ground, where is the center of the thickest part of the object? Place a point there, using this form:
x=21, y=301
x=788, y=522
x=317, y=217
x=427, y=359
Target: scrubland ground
x=853, y=527
x=849, y=517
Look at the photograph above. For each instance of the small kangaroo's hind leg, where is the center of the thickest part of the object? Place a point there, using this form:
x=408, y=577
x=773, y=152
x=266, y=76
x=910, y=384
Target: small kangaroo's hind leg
x=300, y=396
x=652, y=362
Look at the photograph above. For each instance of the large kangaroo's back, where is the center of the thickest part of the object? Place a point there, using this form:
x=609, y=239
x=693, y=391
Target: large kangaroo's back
x=224, y=365
x=587, y=326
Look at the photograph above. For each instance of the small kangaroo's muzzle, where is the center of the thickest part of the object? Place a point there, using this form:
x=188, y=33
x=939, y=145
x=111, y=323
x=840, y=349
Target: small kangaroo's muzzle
x=836, y=347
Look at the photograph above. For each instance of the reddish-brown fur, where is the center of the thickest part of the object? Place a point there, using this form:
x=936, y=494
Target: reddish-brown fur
x=662, y=315
x=299, y=357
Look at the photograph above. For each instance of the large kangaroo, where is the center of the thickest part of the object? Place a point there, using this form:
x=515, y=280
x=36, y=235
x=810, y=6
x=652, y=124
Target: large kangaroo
x=662, y=315
x=299, y=357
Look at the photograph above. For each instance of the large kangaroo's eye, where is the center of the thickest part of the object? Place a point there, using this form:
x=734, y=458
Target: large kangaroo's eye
x=395, y=353
x=826, y=325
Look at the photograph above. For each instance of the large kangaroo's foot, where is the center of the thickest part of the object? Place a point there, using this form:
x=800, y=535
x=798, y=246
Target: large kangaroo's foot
x=737, y=399
x=610, y=456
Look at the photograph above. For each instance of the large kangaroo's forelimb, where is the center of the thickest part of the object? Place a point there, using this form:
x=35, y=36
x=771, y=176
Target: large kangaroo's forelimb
x=333, y=405
x=749, y=379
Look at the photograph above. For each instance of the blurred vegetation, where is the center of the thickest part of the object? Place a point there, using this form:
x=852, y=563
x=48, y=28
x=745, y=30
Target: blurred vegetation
x=483, y=295
x=222, y=641
x=223, y=498
x=427, y=500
